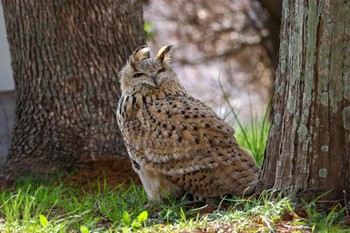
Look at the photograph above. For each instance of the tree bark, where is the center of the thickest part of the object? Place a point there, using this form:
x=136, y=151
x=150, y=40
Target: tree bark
x=308, y=147
x=66, y=56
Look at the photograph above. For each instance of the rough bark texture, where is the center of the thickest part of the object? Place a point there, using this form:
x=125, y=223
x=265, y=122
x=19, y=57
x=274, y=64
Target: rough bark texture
x=309, y=141
x=66, y=56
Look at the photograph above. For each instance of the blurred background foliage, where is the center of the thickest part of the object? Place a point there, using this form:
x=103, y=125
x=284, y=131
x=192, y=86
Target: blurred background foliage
x=231, y=42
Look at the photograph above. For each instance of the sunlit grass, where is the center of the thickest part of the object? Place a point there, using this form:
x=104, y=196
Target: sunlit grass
x=26, y=208
x=252, y=135
x=48, y=205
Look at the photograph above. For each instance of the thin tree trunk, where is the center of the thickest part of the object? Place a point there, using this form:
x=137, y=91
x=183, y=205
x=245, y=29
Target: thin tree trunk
x=65, y=59
x=309, y=141
x=271, y=22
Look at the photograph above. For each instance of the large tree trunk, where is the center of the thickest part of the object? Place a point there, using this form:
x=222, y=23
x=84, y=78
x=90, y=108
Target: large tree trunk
x=309, y=141
x=65, y=58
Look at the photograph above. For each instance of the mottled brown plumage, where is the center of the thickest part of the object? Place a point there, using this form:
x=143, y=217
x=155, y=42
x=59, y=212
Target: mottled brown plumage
x=176, y=143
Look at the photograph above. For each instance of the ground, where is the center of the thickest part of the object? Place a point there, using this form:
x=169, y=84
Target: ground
x=103, y=206
x=114, y=171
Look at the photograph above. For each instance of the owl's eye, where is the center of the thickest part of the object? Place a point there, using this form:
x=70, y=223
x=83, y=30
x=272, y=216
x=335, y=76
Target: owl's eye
x=137, y=75
x=161, y=70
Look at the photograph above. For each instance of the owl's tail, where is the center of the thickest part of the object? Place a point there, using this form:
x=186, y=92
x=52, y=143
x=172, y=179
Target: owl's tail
x=242, y=176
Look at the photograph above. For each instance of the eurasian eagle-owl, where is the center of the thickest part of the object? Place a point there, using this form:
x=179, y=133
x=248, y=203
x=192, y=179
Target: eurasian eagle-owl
x=176, y=143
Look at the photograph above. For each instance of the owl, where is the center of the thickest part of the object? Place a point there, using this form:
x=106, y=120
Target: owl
x=175, y=142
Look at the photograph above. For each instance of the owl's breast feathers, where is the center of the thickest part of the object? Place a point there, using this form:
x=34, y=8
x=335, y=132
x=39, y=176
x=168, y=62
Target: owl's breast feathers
x=177, y=134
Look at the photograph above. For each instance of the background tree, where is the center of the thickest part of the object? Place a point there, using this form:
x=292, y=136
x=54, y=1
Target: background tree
x=266, y=18
x=231, y=41
x=65, y=59
x=308, y=147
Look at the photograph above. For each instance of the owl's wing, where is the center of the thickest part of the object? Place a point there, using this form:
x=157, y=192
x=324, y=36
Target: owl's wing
x=179, y=134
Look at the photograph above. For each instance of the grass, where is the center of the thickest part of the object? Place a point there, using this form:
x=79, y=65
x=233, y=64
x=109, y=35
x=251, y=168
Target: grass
x=37, y=206
x=48, y=205
x=254, y=135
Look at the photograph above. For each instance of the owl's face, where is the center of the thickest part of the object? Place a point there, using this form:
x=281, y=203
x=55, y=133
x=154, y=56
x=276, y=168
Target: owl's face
x=143, y=73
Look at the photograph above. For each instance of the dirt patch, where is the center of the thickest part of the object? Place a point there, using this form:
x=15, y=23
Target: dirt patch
x=93, y=174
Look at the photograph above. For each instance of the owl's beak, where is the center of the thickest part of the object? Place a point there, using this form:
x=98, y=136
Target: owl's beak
x=154, y=78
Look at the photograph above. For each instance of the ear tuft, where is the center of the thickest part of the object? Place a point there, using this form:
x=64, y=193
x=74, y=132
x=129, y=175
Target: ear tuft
x=164, y=54
x=141, y=53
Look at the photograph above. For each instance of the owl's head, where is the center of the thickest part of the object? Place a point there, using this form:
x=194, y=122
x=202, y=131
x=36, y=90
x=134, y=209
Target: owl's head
x=144, y=73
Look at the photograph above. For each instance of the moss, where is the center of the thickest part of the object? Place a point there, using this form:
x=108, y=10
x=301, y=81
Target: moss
x=291, y=104
x=277, y=118
x=302, y=131
x=323, y=173
x=347, y=93
x=324, y=148
x=305, y=147
x=317, y=122
x=346, y=118
x=280, y=89
x=324, y=99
